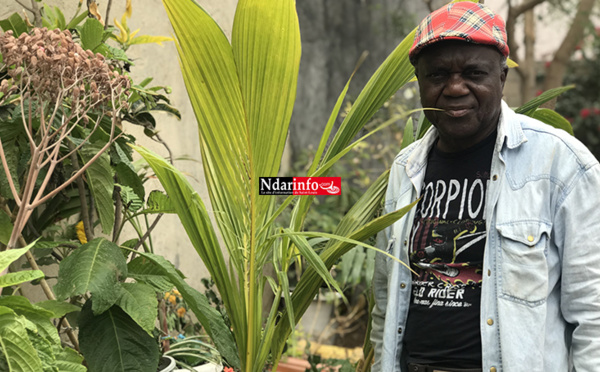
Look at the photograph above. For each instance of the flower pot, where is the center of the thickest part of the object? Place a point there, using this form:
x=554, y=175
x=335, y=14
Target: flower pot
x=292, y=365
x=207, y=367
x=166, y=364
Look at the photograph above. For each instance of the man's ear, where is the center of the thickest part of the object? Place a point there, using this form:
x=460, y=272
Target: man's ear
x=503, y=75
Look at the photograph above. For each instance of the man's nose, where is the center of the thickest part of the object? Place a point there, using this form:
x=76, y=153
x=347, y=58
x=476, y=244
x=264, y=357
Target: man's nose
x=456, y=86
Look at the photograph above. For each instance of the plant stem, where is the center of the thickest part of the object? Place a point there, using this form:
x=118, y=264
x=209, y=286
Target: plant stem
x=118, y=213
x=108, y=5
x=85, y=215
x=148, y=232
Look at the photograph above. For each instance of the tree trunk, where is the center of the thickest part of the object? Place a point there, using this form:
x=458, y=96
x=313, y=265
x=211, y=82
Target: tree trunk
x=558, y=66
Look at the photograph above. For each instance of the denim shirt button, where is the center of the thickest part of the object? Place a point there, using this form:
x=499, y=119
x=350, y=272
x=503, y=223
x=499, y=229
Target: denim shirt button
x=399, y=330
x=489, y=272
x=495, y=177
x=403, y=285
x=493, y=369
x=490, y=321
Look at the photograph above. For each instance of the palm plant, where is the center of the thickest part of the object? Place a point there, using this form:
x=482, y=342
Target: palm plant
x=243, y=94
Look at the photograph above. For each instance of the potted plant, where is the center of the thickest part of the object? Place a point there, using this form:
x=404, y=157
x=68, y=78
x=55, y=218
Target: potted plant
x=243, y=94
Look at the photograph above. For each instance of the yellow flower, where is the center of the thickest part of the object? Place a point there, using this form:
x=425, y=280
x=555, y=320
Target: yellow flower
x=79, y=229
x=181, y=312
x=172, y=299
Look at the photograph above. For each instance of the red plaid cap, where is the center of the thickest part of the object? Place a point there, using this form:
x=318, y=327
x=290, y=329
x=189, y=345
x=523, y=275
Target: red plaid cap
x=468, y=21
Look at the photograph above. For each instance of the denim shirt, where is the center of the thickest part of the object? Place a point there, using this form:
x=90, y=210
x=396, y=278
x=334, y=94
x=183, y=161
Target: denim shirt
x=540, y=301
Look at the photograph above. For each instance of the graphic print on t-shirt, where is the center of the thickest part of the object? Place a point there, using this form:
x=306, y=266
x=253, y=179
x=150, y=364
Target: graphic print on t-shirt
x=446, y=251
x=450, y=250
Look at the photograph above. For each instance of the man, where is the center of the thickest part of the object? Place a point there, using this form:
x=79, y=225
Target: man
x=505, y=239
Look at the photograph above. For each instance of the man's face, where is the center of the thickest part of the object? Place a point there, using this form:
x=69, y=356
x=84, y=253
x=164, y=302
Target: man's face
x=465, y=81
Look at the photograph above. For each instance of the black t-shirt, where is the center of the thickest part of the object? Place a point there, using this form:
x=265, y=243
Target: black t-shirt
x=447, y=244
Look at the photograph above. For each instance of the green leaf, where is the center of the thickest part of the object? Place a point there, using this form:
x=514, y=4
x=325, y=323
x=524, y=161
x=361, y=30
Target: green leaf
x=10, y=279
x=101, y=183
x=393, y=73
x=58, y=308
x=143, y=270
x=530, y=107
x=95, y=267
x=14, y=23
x=53, y=18
x=126, y=172
x=139, y=301
x=209, y=317
x=554, y=119
x=91, y=34
x=147, y=39
x=11, y=255
x=35, y=314
x=16, y=350
x=130, y=199
x=6, y=227
x=313, y=259
x=159, y=202
x=112, y=341
x=69, y=360
x=408, y=136
x=76, y=20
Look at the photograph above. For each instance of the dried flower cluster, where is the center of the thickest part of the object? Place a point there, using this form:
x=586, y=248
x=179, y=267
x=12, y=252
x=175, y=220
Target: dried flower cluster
x=49, y=66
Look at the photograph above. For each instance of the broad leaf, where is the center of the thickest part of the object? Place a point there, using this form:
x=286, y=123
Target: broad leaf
x=16, y=351
x=91, y=34
x=208, y=316
x=101, y=183
x=144, y=271
x=70, y=361
x=95, y=267
x=139, y=301
x=130, y=199
x=58, y=308
x=19, y=277
x=35, y=314
x=5, y=227
x=159, y=203
x=15, y=24
x=112, y=341
x=11, y=255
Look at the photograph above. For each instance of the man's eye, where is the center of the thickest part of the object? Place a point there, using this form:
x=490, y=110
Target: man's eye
x=436, y=75
x=477, y=73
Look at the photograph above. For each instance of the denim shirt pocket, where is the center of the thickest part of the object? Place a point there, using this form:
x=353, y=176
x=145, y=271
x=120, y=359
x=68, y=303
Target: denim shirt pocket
x=523, y=263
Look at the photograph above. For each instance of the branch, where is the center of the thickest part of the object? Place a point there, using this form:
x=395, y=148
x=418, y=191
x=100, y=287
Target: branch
x=85, y=217
x=13, y=189
x=111, y=139
x=148, y=232
x=108, y=5
x=26, y=7
x=527, y=5
x=557, y=68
